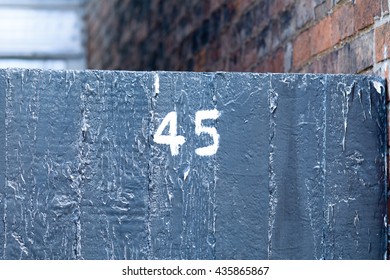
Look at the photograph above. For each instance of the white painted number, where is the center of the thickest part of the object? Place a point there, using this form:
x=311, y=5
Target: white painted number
x=199, y=129
x=175, y=141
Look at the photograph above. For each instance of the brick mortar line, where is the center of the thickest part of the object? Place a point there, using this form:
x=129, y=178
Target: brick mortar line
x=338, y=46
x=224, y=29
x=367, y=69
x=341, y=3
x=285, y=41
x=331, y=11
x=228, y=27
x=379, y=21
x=282, y=45
x=383, y=18
x=197, y=24
x=312, y=23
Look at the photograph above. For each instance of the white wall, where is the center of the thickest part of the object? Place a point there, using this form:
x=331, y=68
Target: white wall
x=44, y=34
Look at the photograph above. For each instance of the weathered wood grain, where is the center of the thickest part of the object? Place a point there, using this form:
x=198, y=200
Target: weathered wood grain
x=299, y=172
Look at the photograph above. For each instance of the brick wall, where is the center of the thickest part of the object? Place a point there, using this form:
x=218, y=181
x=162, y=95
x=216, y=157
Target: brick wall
x=332, y=36
x=320, y=36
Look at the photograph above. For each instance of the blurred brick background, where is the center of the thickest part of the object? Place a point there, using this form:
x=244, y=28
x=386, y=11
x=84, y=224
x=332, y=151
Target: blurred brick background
x=318, y=36
x=329, y=36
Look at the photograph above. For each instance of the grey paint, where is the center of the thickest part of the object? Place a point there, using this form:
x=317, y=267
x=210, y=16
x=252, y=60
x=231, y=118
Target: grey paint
x=3, y=206
x=299, y=173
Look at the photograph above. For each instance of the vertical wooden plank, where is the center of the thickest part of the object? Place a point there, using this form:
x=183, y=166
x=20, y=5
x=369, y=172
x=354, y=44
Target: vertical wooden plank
x=182, y=186
x=297, y=166
x=115, y=158
x=242, y=173
x=355, y=174
x=3, y=205
x=42, y=183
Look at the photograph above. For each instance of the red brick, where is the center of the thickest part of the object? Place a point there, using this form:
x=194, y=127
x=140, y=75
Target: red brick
x=169, y=44
x=313, y=67
x=305, y=12
x=273, y=63
x=261, y=67
x=385, y=7
x=214, y=5
x=278, y=6
x=214, y=52
x=104, y=9
x=321, y=36
x=327, y=63
x=329, y=4
x=360, y=55
x=225, y=42
x=320, y=10
x=242, y=5
x=382, y=42
x=276, y=62
x=343, y=20
x=250, y=54
x=365, y=11
x=346, y=59
x=236, y=62
x=301, y=49
x=217, y=65
x=265, y=28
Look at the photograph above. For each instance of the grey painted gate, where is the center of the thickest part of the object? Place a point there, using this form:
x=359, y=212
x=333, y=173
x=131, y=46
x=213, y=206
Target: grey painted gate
x=168, y=165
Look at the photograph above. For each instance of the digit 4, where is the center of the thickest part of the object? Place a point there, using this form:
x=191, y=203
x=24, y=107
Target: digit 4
x=173, y=140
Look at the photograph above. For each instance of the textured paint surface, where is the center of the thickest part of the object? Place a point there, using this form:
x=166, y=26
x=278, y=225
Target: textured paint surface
x=298, y=172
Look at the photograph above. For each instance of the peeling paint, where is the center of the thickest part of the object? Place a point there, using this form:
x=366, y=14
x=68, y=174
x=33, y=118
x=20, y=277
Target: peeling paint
x=378, y=86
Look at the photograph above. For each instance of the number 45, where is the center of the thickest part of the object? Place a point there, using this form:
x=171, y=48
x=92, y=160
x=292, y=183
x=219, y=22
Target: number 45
x=175, y=141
